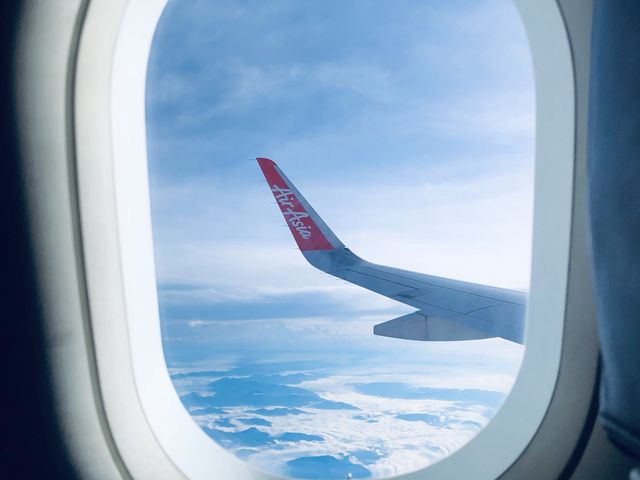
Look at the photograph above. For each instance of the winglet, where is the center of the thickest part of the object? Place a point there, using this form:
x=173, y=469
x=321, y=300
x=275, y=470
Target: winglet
x=308, y=229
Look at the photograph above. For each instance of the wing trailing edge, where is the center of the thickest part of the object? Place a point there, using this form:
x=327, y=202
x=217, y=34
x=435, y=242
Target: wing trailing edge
x=418, y=326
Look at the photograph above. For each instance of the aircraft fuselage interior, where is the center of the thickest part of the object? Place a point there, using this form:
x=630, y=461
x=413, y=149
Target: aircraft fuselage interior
x=89, y=394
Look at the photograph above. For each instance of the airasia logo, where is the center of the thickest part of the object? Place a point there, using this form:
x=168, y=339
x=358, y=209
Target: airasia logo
x=285, y=199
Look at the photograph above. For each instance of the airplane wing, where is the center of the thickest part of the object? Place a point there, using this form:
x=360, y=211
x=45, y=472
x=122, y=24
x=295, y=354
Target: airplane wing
x=447, y=309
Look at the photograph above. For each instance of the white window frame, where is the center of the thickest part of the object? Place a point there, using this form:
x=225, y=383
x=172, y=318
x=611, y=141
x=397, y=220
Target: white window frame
x=132, y=415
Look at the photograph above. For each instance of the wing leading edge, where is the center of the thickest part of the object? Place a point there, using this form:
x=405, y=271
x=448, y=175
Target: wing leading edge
x=447, y=309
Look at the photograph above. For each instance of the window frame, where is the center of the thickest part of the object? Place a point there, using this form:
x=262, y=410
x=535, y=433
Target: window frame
x=131, y=412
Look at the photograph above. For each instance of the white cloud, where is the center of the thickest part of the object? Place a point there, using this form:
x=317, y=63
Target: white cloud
x=403, y=446
x=196, y=323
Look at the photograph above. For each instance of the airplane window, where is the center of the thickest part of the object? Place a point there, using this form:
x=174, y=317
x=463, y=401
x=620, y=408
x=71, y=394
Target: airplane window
x=281, y=132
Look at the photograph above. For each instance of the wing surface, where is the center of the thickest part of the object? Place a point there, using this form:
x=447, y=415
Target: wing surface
x=447, y=309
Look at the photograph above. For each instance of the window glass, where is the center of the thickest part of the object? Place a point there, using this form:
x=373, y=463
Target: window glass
x=409, y=126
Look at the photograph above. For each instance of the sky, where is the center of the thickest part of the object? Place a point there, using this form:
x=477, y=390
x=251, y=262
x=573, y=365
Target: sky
x=409, y=126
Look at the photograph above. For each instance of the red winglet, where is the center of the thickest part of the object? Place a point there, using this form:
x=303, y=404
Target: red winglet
x=304, y=229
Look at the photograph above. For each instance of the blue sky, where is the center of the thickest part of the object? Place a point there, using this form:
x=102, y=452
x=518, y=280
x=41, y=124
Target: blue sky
x=409, y=127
